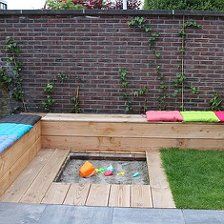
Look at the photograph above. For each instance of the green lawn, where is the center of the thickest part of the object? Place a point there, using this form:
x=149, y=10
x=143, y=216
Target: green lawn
x=196, y=178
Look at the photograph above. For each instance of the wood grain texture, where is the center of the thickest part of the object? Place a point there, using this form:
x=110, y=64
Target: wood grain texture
x=99, y=143
x=56, y=193
x=98, y=195
x=143, y=130
x=77, y=194
x=25, y=179
x=161, y=193
x=141, y=196
x=94, y=117
x=120, y=196
x=10, y=175
x=40, y=185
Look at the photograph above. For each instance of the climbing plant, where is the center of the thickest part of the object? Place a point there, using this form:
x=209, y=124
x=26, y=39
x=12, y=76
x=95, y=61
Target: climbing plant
x=10, y=75
x=216, y=102
x=49, y=88
x=180, y=82
x=143, y=25
x=76, y=102
x=129, y=95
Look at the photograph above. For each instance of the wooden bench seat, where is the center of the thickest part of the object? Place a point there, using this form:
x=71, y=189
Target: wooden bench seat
x=116, y=132
x=15, y=158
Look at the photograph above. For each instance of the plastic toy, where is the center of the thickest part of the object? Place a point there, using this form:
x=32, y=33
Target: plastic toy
x=110, y=168
x=108, y=173
x=101, y=170
x=136, y=174
x=87, y=170
x=122, y=173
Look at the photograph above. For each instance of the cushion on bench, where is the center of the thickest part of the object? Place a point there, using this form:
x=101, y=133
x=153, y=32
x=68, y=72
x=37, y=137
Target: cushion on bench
x=13, y=127
x=220, y=115
x=21, y=119
x=167, y=116
x=199, y=116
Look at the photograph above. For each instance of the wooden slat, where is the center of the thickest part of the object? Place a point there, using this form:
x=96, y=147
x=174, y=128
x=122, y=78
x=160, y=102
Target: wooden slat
x=162, y=198
x=161, y=193
x=141, y=196
x=25, y=179
x=18, y=167
x=56, y=193
x=13, y=153
x=74, y=143
x=120, y=196
x=98, y=195
x=44, y=179
x=77, y=194
x=143, y=130
x=94, y=117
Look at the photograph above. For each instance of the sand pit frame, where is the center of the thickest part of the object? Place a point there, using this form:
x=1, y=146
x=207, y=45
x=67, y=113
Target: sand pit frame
x=127, y=163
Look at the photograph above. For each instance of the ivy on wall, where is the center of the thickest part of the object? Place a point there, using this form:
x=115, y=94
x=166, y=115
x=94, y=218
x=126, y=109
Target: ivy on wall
x=10, y=74
x=180, y=83
x=49, y=88
x=128, y=95
x=153, y=37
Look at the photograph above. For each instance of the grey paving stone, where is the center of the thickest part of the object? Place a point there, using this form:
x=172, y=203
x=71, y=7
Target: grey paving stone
x=93, y=215
x=13, y=213
x=58, y=214
x=148, y=216
x=202, y=217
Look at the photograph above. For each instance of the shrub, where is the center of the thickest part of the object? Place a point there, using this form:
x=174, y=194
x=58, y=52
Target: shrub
x=210, y=5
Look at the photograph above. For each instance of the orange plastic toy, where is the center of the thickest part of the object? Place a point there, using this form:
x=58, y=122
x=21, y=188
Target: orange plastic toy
x=87, y=170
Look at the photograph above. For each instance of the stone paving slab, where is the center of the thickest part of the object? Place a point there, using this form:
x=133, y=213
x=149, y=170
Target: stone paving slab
x=14, y=213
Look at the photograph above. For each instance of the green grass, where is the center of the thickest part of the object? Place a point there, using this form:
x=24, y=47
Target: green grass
x=196, y=177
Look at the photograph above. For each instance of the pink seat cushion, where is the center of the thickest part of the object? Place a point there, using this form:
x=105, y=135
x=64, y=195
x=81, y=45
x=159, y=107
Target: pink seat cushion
x=220, y=115
x=167, y=116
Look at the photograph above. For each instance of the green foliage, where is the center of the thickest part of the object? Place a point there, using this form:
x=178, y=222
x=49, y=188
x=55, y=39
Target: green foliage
x=48, y=103
x=76, y=102
x=180, y=83
x=12, y=82
x=5, y=80
x=128, y=96
x=141, y=23
x=63, y=5
x=211, y=5
x=49, y=88
x=216, y=102
x=124, y=85
x=62, y=77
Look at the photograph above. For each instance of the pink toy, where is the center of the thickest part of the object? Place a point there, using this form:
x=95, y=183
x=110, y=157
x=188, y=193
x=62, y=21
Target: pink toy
x=108, y=173
x=167, y=116
x=220, y=115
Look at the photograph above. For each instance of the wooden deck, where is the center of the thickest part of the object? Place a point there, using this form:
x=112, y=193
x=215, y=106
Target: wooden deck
x=35, y=185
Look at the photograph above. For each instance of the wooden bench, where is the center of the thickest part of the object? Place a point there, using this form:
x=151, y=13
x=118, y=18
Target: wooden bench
x=15, y=159
x=115, y=132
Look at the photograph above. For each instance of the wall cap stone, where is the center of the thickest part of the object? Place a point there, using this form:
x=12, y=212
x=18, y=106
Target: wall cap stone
x=111, y=12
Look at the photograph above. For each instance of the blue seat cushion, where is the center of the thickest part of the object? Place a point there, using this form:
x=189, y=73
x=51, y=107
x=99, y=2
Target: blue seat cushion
x=11, y=132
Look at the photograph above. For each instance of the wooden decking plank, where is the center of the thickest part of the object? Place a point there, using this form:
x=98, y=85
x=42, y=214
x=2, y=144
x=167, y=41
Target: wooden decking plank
x=161, y=193
x=25, y=179
x=98, y=195
x=120, y=196
x=141, y=196
x=77, y=194
x=162, y=198
x=42, y=182
x=56, y=193
x=11, y=175
x=157, y=175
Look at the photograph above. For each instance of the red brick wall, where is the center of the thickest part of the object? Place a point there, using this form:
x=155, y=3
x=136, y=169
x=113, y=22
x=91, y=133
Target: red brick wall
x=91, y=47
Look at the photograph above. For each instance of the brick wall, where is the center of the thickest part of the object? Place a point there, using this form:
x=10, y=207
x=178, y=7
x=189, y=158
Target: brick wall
x=91, y=46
